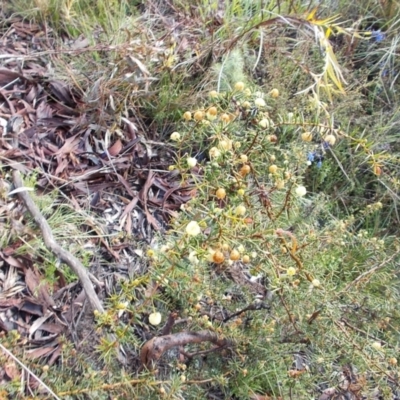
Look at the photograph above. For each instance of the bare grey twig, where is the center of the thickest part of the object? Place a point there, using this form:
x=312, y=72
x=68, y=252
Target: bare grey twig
x=64, y=255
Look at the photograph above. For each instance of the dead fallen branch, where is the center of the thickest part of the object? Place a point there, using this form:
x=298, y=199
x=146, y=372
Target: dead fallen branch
x=153, y=349
x=53, y=246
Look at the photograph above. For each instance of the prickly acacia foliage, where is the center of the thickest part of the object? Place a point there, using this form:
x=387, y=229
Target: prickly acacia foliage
x=320, y=290
x=273, y=254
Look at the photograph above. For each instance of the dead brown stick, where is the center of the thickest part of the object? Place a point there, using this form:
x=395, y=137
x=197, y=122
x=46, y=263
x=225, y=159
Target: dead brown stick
x=156, y=347
x=65, y=256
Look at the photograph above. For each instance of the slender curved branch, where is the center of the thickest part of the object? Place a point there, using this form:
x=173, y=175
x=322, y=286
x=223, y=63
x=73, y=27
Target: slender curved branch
x=64, y=255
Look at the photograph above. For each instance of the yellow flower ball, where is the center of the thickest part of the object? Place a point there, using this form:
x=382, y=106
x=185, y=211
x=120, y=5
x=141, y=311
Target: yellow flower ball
x=264, y=123
x=193, y=228
x=246, y=259
x=220, y=193
x=213, y=110
x=274, y=93
x=198, y=115
x=193, y=258
x=243, y=158
x=316, y=283
x=225, y=118
x=291, y=271
x=213, y=94
x=218, y=257
x=245, y=170
x=155, y=318
x=301, y=191
x=191, y=162
x=235, y=255
x=214, y=152
x=225, y=144
x=377, y=345
x=239, y=86
x=187, y=116
x=330, y=139
x=240, y=210
x=273, y=169
x=259, y=102
x=306, y=136
x=175, y=136
x=280, y=184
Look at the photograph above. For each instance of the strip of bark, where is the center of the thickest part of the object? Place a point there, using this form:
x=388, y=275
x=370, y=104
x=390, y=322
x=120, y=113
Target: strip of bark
x=153, y=349
x=48, y=238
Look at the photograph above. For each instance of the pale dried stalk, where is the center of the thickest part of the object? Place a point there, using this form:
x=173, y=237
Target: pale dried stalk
x=64, y=255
